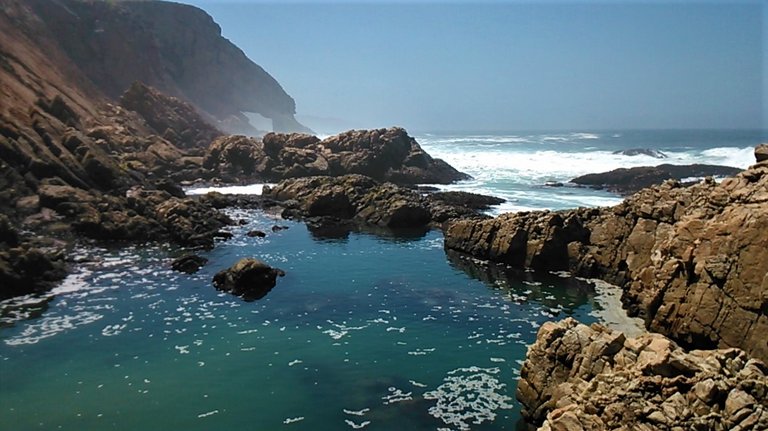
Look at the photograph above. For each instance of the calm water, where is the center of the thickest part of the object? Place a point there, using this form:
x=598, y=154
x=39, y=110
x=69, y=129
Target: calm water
x=363, y=332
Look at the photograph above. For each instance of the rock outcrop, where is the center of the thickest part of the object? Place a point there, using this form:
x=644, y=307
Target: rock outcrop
x=250, y=279
x=382, y=154
x=631, y=180
x=189, y=263
x=368, y=202
x=650, y=152
x=173, y=47
x=579, y=377
x=692, y=261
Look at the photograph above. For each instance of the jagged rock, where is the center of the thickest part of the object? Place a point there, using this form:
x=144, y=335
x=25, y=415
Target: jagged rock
x=692, y=261
x=365, y=200
x=591, y=378
x=249, y=278
x=382, y=154
x=631, y=180
x=189, y=263
x=170, y=117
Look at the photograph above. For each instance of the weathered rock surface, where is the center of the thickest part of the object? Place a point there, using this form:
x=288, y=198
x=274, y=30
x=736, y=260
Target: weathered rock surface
x=579, y=377
x=365, y=200
x=761, y=153
x=692, y=261
x=382, y=154
x=250, y=279
x=631, y=180
x=172, y=118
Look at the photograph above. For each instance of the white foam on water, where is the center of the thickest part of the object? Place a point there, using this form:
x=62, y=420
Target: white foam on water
x=49, y=326
x=250, y=189
x=356, y=412
x=469, y=395
x=289, y=421
x=355, y=425
x=206, y=414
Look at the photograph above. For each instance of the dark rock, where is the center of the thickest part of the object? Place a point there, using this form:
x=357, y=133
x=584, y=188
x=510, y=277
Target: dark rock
x=277, y=228
x=256, y=234
x=169, y=186
x=250, y=279
x=370, y=203
x=25, y=270
x=631, y=180
x=642, y=152
x=383, y=154
x=169, y=116
x=467, y=200
x=8, y=234
x=692, y=261
x=190, y=263
x=553, y=184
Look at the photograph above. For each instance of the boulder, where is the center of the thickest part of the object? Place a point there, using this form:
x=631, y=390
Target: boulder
x=589, y=377
x=250, y=279
x=27, y=269
x=189, y=263
x=692, y=261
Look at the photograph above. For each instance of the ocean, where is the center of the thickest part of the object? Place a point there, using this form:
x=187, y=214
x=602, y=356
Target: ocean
x=366, y=331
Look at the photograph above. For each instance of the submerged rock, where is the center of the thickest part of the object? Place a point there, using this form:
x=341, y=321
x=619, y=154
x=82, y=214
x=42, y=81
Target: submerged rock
x=250, y=279
x=642, y=152
x=579, y=377
x=631, y=180
x=692, y=261
x=190, y=263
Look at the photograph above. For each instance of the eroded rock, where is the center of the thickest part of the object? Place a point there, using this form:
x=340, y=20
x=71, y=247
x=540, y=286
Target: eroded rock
x=591, y=378
x=692, y=261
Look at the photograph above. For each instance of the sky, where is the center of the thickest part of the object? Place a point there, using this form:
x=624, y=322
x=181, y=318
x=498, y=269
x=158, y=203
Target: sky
x=508, y=65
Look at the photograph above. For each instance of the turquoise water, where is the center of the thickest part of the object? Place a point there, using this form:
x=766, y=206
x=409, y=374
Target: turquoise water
x=363, y=332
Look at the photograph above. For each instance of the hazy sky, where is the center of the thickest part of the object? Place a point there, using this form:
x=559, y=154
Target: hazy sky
x=511, y=65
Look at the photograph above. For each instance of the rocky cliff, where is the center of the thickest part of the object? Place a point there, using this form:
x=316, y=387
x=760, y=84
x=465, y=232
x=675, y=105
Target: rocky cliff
x=579, y=377
x=173, y=47
x=692, y=261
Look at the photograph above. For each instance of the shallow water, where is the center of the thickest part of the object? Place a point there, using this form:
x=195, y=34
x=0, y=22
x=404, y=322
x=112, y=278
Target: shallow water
x=363, y=332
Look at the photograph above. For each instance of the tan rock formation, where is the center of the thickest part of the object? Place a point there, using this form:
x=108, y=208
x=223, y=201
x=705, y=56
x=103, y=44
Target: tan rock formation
x=579, y=377
x=693, y=261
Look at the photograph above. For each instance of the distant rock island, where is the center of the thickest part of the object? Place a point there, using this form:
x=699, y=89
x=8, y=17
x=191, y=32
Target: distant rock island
x=630, y=180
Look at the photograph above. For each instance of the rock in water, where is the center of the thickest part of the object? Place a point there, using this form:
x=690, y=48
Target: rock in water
x=579, y=377
x=250, y=279
x=189, y=263
x=642, y=152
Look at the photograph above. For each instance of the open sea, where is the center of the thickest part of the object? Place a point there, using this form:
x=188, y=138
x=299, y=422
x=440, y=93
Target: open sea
x=365, y=331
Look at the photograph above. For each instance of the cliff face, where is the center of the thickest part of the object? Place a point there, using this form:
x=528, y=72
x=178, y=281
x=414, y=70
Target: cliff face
x=175, y=48
x=693, y=261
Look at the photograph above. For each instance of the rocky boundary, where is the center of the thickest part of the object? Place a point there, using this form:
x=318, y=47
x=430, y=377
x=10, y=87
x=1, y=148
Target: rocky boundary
x=382, y=154
x=579, y=377
x=365, y=201
x=692, y=261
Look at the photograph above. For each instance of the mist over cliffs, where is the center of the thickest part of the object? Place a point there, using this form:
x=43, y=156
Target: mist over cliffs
x=175, y=48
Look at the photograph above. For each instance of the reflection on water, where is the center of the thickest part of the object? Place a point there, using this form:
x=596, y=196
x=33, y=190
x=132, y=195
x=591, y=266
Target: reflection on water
x=368, y=332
